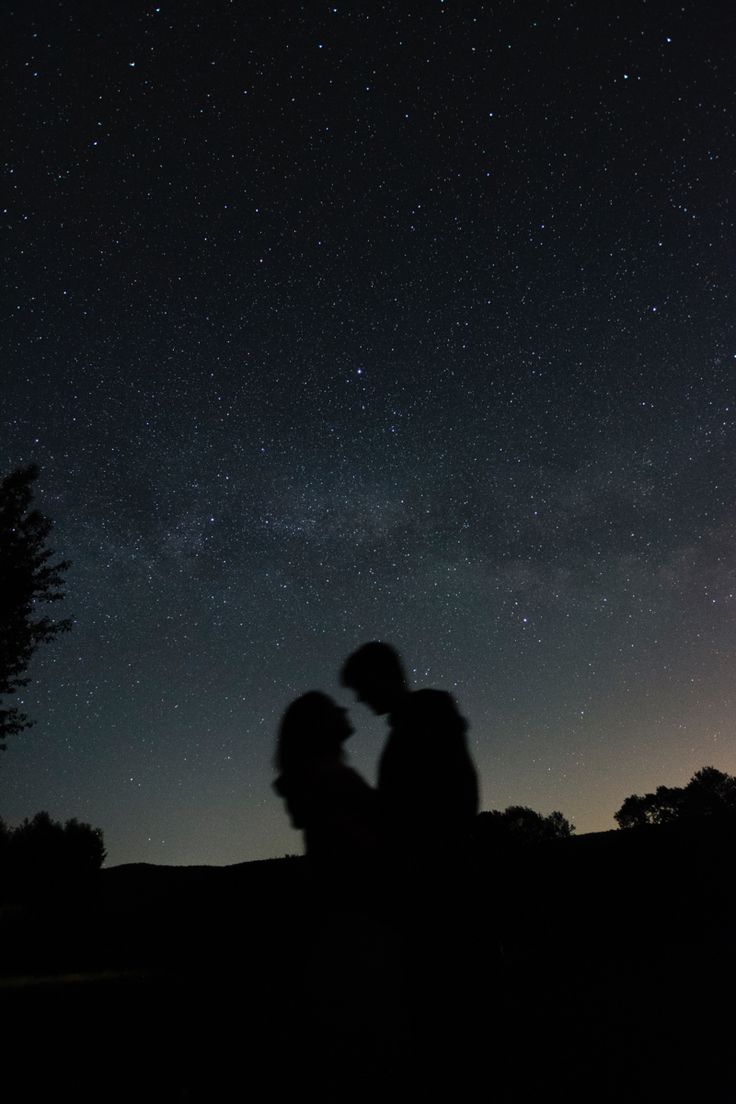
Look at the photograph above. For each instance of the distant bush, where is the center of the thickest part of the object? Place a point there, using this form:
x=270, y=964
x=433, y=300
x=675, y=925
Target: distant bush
x=42, y=853
x=709, y=793
x=520, y=825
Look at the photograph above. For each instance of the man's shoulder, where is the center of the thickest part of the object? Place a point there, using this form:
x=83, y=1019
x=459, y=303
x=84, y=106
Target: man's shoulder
x=430, y=696
x=429, y=707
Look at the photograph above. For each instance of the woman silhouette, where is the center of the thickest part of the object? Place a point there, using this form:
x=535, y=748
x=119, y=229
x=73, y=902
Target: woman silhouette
x=347, y=986
x=331, y=803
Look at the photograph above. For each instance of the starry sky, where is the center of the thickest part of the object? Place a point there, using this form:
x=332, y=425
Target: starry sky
x=410, y=321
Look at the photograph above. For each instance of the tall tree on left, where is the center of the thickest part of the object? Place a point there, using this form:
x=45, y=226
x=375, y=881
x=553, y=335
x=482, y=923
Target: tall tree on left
x=28, y=579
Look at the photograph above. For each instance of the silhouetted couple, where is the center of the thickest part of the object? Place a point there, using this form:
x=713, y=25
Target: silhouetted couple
x=427, y=795
x=384, y=969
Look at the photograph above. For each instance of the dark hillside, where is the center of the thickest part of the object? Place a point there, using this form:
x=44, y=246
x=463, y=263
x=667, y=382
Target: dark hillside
x=603, y=958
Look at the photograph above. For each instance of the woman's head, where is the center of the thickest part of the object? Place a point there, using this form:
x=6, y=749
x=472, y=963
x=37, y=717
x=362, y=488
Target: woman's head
x=312, y=730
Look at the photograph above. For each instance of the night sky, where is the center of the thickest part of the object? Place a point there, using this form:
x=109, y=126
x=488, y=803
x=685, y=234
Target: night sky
x=409, y=321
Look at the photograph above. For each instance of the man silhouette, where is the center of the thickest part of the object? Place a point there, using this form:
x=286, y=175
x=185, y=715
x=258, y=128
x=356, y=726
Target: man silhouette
x=427, y=784
x=427, y=803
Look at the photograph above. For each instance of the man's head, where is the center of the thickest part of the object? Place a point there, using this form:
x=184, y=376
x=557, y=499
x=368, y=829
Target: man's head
x=376, y=675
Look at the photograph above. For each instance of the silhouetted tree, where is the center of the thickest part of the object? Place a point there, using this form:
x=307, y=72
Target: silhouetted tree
x=42, y=853
x=27, y=579
x=84, y=845
x=37, y=845
x=661, y=807
x=5, y=836
x=709, y=792
x=519, y=824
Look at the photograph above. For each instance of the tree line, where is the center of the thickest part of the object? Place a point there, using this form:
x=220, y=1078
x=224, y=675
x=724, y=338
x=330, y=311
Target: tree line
x=710, y=793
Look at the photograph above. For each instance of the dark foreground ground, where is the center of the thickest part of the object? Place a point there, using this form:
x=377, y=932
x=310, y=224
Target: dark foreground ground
x=594, y=969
